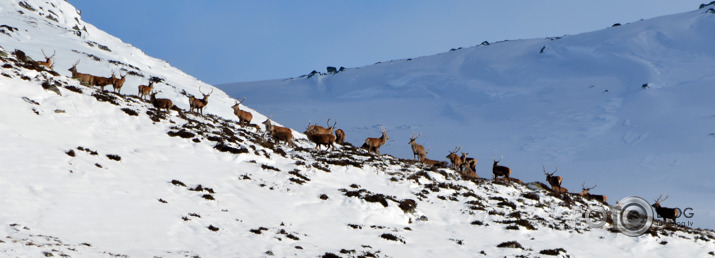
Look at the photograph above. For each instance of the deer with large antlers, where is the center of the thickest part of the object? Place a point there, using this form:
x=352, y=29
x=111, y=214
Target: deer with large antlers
x=145, y=90
x=554, y=181
x=499, y=170
x=585, y=193
x=118, y=83
x=199, y=104
x=160, y=103
x=374, y=144
x=418, y=151
x=455, y=159
x=279, y=133
x=316, y=129
x=665, y=213
x=83, y=78
x=244, y=117
x=48, y=63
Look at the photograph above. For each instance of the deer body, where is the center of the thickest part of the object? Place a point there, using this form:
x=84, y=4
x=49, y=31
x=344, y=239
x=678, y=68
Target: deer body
x=418, y=151
x=161, y=103
x=199, y=104
x=499, y=170
x=469, y=163
x=83, y=78
x=374, y=144
x=103, y=81
x=455, y=159
x=340, y=136
x=322, y=139
x=585, y=193
x=554, y=181
x=279, y=133
x=244, y=117
x=316, y=129
x=145, y=90
x=118, y=83
x=665, y=213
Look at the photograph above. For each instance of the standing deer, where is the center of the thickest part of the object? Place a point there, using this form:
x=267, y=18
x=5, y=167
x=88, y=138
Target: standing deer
x=244, y=117
x=455, y=159
x=145, y=90
x=340, y=136
x=48, y=63
x=469, y=163
x=279, y=133
x=499, y=170
x=316, y=129
x=554, y=181
x=665, y=213
x=321, y=139
x=586, y=194
x=83, y=78
x=199, y=104
x=104, y=81
x=118, y=83
x=374, y=144
x=418, y=151
x=161, y=103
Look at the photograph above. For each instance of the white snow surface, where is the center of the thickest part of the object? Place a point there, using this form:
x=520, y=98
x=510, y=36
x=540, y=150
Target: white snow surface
x=81, y=177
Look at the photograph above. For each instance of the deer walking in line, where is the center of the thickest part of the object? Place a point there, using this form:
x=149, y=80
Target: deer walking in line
x=279, y=133
x=118, y=83
x=244, y=117
x=199, y=104
x=374, y=144
x=316, y=129
x=161, y=103
x=499, y=170
x=665, y=213
x=418, y=151
x=83, y=78
x=145, y=90
x=455, y=159
x=554, y=181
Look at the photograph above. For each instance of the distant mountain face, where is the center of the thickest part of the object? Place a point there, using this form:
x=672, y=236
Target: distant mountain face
x=628, y=107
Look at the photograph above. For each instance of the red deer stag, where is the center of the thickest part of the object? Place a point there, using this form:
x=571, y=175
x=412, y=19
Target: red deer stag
x=554, y=181
x=374, y=144
x=321, y=139
x=340, y=136
x=199, y=104
x=665, y=213
x=469, y=163
x=584, y=193
x=455, y=159
x=279, y=133
x=48, y=63
x=118, y=83
x=145, y=90
x=418, y=151
x=244, y=117
x=161, y=103
x=316, y=129
x=83, y=78
x=499, y=170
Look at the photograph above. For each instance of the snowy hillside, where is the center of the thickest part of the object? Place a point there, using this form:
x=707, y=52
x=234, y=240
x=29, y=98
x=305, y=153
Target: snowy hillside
x=86, y=173
x=629, y=107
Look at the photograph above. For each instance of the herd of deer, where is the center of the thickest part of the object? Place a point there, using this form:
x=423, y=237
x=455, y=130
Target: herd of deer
x=327, y=136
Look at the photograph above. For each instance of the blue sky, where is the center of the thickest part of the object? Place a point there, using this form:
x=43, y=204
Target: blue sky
x=224, y=41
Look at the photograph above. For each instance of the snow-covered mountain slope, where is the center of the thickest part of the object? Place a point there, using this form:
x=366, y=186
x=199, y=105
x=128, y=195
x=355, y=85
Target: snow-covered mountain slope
x=85, y=173
x=629, y=107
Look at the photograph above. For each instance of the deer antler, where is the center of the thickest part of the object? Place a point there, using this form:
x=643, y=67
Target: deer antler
x=456, y=149
x=543, y=168
x=660, y=197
